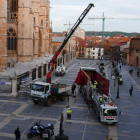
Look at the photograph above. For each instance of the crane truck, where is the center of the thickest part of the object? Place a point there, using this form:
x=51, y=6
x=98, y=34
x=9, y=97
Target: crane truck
x=106, y=108
x=47, y=92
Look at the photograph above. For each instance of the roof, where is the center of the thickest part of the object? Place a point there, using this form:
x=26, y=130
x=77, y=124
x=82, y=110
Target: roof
x=89, y=46
x=136, y=37
x=126, y=50
x=87, y=68
x=41, y=83
x=58, y=39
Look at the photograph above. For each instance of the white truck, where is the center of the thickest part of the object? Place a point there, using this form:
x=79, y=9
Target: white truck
x=60, y=70
x=106, y=110
x=46, y=92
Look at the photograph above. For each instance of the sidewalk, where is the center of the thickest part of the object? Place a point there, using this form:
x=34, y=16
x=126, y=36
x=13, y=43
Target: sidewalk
x=129, y=121
x=24, y=67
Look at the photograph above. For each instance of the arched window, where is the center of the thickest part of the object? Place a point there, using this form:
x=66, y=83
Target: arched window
x=11, y=39
x=14, y=5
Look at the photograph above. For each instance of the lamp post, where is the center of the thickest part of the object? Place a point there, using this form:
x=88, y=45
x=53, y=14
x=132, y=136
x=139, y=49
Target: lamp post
x=114, y=82
x=117, y=74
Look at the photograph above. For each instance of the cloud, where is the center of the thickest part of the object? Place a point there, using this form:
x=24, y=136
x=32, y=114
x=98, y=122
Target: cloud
x=68, y=7
x=64, y=11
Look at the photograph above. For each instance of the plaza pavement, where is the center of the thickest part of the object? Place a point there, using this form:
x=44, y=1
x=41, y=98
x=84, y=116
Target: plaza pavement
x=85, y=125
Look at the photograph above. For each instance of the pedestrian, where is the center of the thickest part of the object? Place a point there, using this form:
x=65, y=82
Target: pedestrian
x=73, y=89
x=69, y=111
x=131, y=71
x=131, y=90
x=120, y=67
x=17, y=134
x=138, y=73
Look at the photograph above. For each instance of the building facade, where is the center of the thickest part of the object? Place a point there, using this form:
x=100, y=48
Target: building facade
x=24, y=31
x=93, y=51
x=79, y=32
x=134, y=52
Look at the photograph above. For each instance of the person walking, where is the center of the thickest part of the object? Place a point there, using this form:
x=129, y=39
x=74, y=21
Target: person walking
x=69, y=111
x=120, y=67
x=138, y=73
x=73, y=89
x=131, y=90
x=17, y=134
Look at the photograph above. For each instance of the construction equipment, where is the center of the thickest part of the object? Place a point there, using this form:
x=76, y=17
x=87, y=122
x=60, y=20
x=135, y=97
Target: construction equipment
x=47, y=92
x=53, y=60
x=103, y=23
x=98, y=98
x=65, y=24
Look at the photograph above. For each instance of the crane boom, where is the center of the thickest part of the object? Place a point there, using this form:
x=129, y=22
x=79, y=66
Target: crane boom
x=53, y=60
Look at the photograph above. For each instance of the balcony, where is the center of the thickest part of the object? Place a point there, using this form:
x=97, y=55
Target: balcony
x=12, y=17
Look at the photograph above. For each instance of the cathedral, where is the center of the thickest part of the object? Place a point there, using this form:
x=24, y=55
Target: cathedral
x=25, y=31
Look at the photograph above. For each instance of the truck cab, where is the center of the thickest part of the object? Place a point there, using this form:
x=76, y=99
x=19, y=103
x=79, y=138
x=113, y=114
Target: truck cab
x=108, y=114
x=39, y=91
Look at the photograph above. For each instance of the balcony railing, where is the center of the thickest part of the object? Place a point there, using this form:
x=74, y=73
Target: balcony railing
x=12, y=17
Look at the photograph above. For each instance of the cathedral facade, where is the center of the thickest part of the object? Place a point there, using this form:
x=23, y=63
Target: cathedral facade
x=25, y=32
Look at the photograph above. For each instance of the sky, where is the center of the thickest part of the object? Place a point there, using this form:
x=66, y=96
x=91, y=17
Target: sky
x=65, y=11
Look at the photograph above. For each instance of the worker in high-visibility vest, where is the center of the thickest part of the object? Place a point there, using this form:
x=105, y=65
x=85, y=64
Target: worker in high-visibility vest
x=69, y=111
x=101, y=99
x=96, y=83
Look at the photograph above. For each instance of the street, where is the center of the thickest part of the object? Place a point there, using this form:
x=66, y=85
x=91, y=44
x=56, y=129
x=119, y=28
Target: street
x=22, y=113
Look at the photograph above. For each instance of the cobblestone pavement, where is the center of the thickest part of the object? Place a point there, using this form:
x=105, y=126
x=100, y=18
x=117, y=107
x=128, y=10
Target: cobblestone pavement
x=85, y=125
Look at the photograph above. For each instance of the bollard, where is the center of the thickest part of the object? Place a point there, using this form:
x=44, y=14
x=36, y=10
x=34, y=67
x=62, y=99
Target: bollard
x=14, y=86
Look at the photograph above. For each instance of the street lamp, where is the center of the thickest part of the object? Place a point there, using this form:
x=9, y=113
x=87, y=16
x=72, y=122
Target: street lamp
x=117, y=75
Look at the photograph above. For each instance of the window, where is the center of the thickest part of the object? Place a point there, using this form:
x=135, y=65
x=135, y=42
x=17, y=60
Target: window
x=38, y=87
x=109, y=112
x=11, y=39
x=41, y=22
x=14, y=5
x=93, y=53
x=93, y=48
x=34, y=20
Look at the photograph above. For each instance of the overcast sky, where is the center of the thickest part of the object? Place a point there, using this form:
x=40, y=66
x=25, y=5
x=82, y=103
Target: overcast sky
x=63, y=11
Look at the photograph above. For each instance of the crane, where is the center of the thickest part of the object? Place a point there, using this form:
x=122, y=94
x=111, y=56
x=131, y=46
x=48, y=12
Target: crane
x=53, y=60
x=65, y=24
x=103, y=23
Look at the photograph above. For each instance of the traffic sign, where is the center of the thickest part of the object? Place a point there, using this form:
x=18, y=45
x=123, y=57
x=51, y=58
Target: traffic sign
x=113, y=77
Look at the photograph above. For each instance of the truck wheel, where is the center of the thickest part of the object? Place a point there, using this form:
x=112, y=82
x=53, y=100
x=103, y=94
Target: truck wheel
x=35, y=102
x=48, y=102
x=63, y=98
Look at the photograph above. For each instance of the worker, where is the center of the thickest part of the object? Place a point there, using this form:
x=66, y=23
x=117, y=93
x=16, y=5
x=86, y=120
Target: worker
x=56, y=82
x=73, y=89
x=94, y=87
x=96, y=83
x=69, y=111
x=101, y=99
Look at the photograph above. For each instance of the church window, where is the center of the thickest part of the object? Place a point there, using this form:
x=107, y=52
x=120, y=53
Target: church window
x=11, y=39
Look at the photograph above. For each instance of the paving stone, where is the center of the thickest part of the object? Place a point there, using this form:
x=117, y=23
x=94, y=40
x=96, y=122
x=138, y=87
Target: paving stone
x=10, y=128
x=73, y=126
x=51, y=112
x=97, y=128
x=33, y=110
x=95, y=136
x=2, y=118
x=9, y=107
